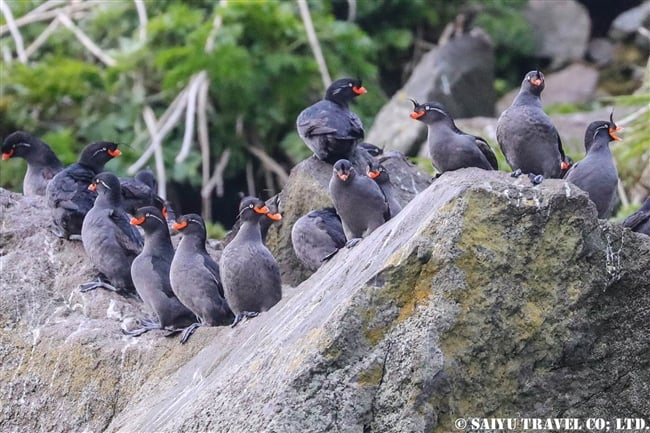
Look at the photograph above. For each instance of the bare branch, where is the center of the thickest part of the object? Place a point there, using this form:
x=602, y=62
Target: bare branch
x=313, y=41
x=190, y=114
x=250, y=179
x=85, y=40
x=165, y=124
x=352, y=10
x=204, y=144
x=142, y=16
x=34, y=16
x=269, y=163
x=13, y=29
x=156, y=144
x=40, y=40
x=216, y=26
x=216, y=181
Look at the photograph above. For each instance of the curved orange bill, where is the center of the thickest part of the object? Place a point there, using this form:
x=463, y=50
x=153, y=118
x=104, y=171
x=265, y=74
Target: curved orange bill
x=359, y=90
x=7, y=155
x=417, y=114
x=373, y=174
x=114, y=153
x=536, y=82
x=165, y=213
x=179, y=225
x=137, y=221
x=92, y=187
x=343, y=176
x=263, y=209
x=564, y=165
x=613, y=131
x=274, y=216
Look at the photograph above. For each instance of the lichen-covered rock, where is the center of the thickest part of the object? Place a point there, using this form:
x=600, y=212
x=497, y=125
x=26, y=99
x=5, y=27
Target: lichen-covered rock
x=485, y=295
x=307, y=190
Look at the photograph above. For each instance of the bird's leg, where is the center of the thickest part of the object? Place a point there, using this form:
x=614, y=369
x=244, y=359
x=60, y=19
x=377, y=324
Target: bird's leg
x=329, y=256
x=147, y=325
x=98, y=283
x=535, y=179
x=243, y=314
x=171, y=331
x=516, y=173
x=352, y=242
x=59, y=233
x=189, y=331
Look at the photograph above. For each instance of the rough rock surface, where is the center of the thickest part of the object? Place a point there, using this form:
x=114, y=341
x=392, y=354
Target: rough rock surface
x=458, y=74
x=484, y=296
x=628, y=23
x=307, y=189
x=561, y=30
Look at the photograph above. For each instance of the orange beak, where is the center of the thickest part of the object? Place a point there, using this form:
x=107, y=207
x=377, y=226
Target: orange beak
x=613, y=131
x=274, y=216
x=373, y=174
x=7, y=155
x=359, y=90
x=114, y=153
x=137, y=221
x=263, y=210
x=564, y=166
x=164, y=212
x=179, y=226
x=343, y=176
x=536, y=82
x=92, y=187
x=417, y=114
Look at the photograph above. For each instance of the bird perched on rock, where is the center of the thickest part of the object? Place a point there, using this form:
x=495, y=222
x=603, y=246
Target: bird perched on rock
x=110, y=242
x=317, y=236
x=195, y=276
x=249, y=272
x=639, y=221
x=42, y=162
x=527, y=137
x=328, y=127
x=378, y=173
x=358, y=200
x=449, y=147
x=140, y=191
x=150, y=274
x=67, y=193
x=596, y=174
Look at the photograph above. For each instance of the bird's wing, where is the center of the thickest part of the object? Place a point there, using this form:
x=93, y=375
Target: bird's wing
x=486, y=150
x=126, y=235
x=636, y=219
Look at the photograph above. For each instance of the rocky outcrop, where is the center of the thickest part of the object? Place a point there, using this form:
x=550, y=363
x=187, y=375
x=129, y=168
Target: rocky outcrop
x=628, y=23
x=458, y=74
x=484, y=296
x=560, y=28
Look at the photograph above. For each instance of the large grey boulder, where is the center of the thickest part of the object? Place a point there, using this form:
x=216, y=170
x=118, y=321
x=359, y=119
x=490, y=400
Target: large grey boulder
x=629, y=22
x=561, y=30
x=458, y=74
x=484, y=295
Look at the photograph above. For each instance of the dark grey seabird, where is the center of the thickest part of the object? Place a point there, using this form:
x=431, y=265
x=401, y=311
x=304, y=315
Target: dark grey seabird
x=596, y=174
x=195, y=276
x=317, y=236
x=527, y=137
x=449, y=147
x=67, y=193
x=109, y=240
x=328, y=127
x=378, y=173
x=150, y=274
x=140, y=191
x=42, y=162
x=639, y=221
x=358, y=200
x=249, y=272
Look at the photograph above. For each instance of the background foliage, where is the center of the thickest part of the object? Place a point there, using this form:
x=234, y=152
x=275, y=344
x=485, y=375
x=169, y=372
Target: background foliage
x=262, y=73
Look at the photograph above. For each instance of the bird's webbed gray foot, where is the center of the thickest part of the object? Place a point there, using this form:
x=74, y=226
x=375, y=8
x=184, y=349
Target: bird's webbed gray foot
x=535, y=179
x=329, y=256
x=352, y=242
x=98, y=283
x=243, y=314
x=187, y=333
x=147, y=325
x=516, y=173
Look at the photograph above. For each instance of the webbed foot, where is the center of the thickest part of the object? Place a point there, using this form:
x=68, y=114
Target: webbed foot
x=243, y=314
x=352, y=242
x=330, y=255
x=535, y=179
x=98, y=283
x=188, y=332
x=516, y=173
